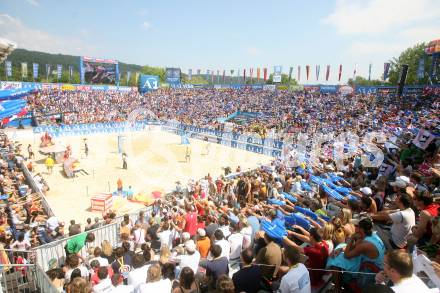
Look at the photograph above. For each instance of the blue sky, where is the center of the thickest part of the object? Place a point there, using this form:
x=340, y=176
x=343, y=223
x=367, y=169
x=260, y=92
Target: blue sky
x=226, y=34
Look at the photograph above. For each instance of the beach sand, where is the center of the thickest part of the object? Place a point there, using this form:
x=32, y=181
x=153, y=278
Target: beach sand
x=156, y=160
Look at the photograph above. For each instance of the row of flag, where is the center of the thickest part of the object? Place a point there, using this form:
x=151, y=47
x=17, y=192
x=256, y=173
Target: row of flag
x=35, y=69
x=59, y=71
x=211, y=74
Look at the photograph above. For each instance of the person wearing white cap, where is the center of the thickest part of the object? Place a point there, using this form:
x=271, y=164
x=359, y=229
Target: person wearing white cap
x=203, y=243
x=191, y=258
x=366, y=191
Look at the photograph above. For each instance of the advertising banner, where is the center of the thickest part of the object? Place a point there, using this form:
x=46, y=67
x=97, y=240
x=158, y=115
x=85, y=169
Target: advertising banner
x=172, y=75
x=269, y=87
x=182, y=86
x=8, y=65
x=366, y=90
x=35, y=70
x=277, y=73
x=329, y=89
x=24, y=70
x=5, y=85
x=312, y=88
x=148, y=83
x=296, y=88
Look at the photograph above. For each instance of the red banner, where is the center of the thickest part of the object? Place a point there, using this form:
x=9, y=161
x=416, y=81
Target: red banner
x=258, y=73
x=307, y=71
x=265, y=74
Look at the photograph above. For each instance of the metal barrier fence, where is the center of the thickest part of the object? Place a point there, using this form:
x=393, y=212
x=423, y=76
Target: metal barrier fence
x=34, y=186
x=25, y=278
x=55, y=251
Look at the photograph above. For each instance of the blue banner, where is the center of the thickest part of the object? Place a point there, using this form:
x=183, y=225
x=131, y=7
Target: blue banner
x=365, y=90
x=329, y=89
x=172, y=75
x=148, y=83
x=8, y=65
x=421, y=68
x=35, y=70
x=182, y=86
x=59, y=71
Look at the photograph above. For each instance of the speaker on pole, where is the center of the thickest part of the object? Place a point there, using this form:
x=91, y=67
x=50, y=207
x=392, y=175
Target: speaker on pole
x=402, y=79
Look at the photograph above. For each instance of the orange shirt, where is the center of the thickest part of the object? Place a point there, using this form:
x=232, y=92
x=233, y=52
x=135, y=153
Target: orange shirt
x=203, y=245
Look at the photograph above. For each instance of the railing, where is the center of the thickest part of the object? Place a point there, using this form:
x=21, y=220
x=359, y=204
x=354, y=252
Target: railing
x=34, y=186
x=55, y=251
x=25, y=278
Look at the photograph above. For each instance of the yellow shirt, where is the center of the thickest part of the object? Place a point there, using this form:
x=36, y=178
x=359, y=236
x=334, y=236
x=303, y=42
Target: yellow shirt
x=49, y=162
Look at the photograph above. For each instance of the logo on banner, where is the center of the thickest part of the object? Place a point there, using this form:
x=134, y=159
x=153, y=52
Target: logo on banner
x=277, y=73
x=5, y=85
x=149, y=83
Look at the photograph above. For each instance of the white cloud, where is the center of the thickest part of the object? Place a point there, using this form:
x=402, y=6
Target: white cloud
x=33, y=39
x=373, y=47
x=380, y=16
x=421, y=33
x=33, y=2
x=142, y=12
x=253, y=51
x=146, y=25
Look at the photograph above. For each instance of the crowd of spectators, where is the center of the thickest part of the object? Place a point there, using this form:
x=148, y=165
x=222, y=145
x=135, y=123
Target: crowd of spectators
x=22, y=215
x=287, y=227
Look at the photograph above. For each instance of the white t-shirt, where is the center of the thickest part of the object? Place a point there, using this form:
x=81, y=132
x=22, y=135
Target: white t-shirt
x=165, y=238
x=24, y=245
x=123, y=289
x=104, y=286
x=226, y=247
x=103, y=262
x=191, y=261
x=52, y=223
x=411, y=285
x=236, y=243
x=403, y=221
x=225, y=230
x=84, y=273
x=297, y=280
x=159, y=286
x=247, y=236
x=138, y=276
x=139, y=236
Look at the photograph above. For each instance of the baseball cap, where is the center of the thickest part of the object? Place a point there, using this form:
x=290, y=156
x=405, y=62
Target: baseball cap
x=366, y=190
x=201, y=232
x=401, y=182
x=190, y=246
